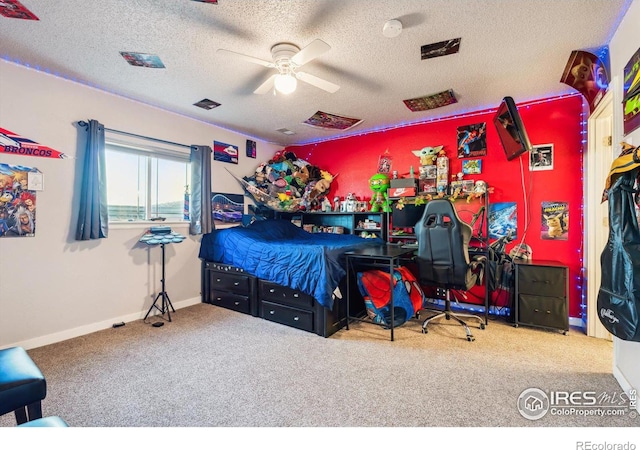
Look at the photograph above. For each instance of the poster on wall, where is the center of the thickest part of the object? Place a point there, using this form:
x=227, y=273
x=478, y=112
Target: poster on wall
x=443, y=48
x=330, y=121
x=631, y=93
x=225, y=152
x=541, y=157
x=472, y=140
x=227, y=208
x=14, y=144
x=587, y=74
x=384, y=163
x=17, y=202
x=555, y=221
x=503, y=220
x=143, y=60
x=431, y=101
x=251, y=148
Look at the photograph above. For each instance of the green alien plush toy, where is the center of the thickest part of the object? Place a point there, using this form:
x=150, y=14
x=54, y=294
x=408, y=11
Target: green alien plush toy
x=379, y=184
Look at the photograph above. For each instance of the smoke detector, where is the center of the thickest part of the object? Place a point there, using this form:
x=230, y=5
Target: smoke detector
x=392, y=28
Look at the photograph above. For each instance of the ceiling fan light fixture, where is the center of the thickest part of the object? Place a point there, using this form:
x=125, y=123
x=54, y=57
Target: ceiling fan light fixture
x=285, y=83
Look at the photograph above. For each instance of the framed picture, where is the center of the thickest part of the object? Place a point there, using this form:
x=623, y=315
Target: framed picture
x=541, y=157
x=471, y=166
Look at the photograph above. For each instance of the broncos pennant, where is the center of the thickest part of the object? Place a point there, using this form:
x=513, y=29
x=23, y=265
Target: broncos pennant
x=13, y=144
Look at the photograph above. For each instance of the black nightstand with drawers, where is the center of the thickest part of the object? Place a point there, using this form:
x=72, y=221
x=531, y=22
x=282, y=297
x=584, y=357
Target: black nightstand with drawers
x=230, y=287
x=542, y=295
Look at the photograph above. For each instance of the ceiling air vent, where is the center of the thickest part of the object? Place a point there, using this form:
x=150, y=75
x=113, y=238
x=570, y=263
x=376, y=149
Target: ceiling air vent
x=205, y=103
x=286, y=131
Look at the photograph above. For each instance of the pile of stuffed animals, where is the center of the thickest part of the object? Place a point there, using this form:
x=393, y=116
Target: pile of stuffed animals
x=288, y=183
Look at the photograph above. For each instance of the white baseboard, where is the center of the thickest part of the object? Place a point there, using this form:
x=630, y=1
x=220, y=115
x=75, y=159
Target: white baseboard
x=91, y=328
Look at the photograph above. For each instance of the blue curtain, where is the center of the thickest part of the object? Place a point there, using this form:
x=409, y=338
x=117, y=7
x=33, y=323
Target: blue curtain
x=93, y=219
x=200, y=204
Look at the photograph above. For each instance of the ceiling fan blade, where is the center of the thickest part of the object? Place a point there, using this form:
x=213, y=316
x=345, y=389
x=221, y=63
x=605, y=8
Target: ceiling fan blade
x=311, y=51
x=317, y=82
x=262, y=62
x=267, y=85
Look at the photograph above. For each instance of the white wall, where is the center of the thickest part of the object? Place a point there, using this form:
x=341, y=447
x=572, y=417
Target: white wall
x=624, y=44
x=53, y=287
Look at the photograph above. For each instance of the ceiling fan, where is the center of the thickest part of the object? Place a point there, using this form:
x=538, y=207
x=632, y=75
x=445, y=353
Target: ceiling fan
x=287, y=59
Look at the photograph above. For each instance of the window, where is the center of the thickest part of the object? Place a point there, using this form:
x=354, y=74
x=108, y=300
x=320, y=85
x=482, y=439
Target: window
x=145, y=181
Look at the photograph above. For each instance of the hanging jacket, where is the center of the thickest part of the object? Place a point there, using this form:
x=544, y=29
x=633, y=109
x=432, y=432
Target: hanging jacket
x=619, y=294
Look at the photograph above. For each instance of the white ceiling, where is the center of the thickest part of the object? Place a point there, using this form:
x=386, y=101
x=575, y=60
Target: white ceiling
x=508, y=47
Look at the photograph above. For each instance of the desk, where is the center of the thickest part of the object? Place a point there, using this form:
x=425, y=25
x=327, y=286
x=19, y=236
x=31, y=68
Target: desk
x=384, y=256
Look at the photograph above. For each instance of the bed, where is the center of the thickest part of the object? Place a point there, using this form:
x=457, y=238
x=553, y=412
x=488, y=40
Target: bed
x=282, y=253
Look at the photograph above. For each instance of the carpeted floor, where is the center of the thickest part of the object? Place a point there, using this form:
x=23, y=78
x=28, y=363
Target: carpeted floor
x=213, y=367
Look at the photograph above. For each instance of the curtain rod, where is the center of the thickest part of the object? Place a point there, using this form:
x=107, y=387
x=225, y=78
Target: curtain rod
x=82, y=123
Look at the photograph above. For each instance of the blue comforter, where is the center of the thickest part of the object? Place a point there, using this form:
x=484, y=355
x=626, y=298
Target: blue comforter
x=278, y=251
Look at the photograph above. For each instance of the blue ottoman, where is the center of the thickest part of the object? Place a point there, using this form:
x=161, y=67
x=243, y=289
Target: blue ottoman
x=22, y=385
x=51, y=421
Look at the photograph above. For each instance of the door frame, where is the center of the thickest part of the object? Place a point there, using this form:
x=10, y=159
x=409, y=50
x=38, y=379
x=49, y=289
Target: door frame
x=600, y=155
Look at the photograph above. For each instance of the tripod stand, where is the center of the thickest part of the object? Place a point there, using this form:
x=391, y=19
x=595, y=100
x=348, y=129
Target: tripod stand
x=165, y=304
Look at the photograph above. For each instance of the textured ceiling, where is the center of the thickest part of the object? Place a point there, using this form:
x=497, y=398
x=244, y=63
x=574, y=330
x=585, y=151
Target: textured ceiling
x=517, y=48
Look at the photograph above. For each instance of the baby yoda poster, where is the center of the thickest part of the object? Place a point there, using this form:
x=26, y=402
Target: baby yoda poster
x=555, y=221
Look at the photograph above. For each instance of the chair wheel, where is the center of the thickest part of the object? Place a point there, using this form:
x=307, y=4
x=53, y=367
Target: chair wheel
x=482, y=326
x=470, y=338
x=424, y=331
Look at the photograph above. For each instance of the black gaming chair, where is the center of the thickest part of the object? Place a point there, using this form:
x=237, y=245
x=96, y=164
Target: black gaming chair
x=443, y=258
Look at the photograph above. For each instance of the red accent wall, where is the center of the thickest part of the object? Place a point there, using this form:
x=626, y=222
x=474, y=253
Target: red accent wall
x=556, y=121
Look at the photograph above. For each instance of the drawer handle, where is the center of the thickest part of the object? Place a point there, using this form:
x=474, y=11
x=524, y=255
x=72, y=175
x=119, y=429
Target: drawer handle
x=537, y=310
x=218, y=298
x=272, y=290
x=236, y=283
x=296, y=318
x=236, y=303
x=218, y=280
x=272, y=312
x=296, y=295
